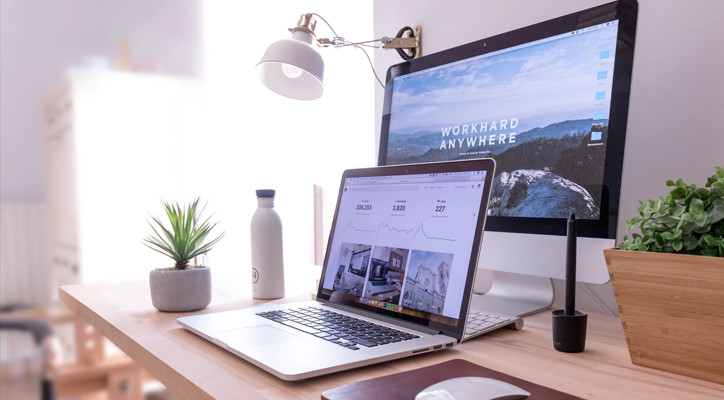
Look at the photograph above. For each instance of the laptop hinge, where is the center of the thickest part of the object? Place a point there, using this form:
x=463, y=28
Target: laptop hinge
x=383, y=318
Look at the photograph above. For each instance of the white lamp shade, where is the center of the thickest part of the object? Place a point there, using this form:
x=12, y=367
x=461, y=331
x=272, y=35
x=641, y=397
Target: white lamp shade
x=292, y=68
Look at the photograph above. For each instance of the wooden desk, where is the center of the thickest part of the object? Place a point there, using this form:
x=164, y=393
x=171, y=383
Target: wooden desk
x=194, y=368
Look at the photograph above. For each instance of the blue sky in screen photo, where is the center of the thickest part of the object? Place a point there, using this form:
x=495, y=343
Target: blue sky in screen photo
x=537, y=84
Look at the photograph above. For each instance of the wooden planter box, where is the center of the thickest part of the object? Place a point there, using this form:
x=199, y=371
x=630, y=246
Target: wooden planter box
x=672, y=310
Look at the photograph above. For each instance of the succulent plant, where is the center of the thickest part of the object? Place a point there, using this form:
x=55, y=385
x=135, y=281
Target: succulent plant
x=687, y=221
x=184, y=240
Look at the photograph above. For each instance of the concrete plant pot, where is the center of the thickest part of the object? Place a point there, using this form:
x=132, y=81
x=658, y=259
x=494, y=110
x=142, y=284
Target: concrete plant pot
x=181, y=290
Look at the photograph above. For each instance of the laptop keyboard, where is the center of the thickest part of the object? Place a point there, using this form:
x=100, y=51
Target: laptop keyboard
x=336, y=328
x=378, y=283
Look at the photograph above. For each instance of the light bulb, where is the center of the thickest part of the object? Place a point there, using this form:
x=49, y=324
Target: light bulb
x=291, y=71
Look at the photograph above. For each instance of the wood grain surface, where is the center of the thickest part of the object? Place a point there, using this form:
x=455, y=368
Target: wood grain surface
x=194, y=368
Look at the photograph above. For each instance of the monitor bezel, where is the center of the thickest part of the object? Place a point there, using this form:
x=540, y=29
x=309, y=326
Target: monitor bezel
x=626, y=12
x=483, y=164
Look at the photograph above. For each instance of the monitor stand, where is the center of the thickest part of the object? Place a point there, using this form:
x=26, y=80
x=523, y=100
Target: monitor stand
x=514, y=295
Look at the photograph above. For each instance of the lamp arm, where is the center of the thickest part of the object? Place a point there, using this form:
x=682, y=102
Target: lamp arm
x=412, y=43
x=346, y=43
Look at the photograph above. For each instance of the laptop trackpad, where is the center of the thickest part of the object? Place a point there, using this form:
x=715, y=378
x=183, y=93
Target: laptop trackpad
x=254, y=336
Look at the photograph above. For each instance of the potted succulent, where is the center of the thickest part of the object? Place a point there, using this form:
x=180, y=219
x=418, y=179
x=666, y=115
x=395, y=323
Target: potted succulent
x=183, y=287
x=668, y=281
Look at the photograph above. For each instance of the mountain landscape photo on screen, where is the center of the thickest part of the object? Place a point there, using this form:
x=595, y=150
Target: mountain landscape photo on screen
x=540, y=110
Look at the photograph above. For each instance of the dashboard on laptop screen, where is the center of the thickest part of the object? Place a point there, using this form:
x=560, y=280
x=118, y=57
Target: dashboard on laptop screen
x=404, y=243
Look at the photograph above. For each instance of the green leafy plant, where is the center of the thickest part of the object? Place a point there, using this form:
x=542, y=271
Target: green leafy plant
x=184, y=240
x=687, y=221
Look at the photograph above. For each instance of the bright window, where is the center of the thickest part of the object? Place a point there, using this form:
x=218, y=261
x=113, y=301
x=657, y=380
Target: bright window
x=254, y=138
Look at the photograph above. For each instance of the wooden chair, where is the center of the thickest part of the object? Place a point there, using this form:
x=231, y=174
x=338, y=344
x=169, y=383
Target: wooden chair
x=92, y=374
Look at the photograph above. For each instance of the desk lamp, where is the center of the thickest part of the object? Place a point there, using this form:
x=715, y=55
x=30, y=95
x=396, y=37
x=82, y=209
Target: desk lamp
x=295, y=69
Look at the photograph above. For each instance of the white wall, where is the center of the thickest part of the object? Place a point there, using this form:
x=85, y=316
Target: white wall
x=39, y=39
x=677, y=94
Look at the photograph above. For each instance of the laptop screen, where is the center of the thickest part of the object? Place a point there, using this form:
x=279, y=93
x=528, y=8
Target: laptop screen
x=403, y=243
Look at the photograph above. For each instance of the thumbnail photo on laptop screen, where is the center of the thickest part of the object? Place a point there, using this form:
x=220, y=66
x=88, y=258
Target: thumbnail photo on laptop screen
x=403, y=243
x=540, y=110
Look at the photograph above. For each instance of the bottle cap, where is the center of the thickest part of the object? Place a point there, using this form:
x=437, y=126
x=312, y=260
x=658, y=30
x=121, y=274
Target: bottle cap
x=265, y=193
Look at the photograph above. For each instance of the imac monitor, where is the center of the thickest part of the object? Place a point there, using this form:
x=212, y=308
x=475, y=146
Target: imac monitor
x=358, y=264
x=549, y=103
x=378, y=273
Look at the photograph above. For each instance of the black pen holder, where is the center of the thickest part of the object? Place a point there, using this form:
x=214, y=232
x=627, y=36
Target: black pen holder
x=569, y=331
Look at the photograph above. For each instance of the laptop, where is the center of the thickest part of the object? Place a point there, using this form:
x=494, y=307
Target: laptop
x=417, y=229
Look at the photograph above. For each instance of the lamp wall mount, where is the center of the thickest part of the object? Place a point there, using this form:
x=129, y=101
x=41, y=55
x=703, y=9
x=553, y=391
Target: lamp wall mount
x=406, y=43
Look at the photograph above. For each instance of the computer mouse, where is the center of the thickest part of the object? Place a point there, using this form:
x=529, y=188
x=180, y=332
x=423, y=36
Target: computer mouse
x=472, y=388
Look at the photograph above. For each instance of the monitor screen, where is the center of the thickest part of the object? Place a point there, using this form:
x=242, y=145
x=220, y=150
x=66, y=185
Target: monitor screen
x=540, y=109
x=379, y=271
x=413, y=236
